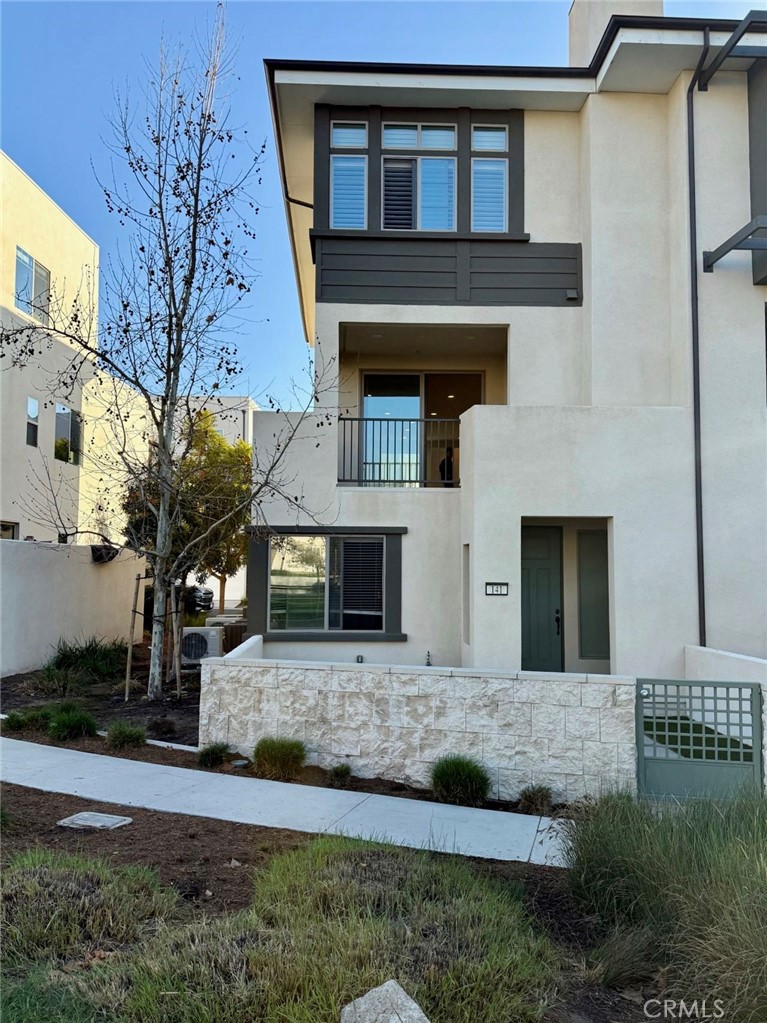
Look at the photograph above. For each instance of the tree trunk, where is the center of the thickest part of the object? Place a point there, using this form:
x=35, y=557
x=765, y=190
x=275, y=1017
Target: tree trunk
x=221, y=592
x=154, y=690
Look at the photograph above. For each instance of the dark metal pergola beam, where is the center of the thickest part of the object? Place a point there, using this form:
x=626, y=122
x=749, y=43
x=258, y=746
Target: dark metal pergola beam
x=745, y=238
x=753, y=21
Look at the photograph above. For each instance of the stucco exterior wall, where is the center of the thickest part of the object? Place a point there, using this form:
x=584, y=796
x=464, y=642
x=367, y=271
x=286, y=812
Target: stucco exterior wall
x=574, y=733
x=53, y=591
x=702, y=664
x=599, y=421
x=38, y=492
x=733, y=399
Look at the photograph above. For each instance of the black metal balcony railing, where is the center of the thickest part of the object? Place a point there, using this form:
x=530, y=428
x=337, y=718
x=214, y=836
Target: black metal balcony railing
x=399, y=452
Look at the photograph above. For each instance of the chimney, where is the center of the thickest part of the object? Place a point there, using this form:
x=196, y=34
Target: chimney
x=589, y=18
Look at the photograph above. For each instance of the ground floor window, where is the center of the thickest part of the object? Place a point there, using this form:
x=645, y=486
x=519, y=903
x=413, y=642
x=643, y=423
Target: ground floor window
x=326, y=583
x=9, y=530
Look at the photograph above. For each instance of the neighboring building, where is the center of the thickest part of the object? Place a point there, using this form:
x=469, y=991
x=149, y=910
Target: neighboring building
x=550, y=455
x=47, y=261
x=233, y=415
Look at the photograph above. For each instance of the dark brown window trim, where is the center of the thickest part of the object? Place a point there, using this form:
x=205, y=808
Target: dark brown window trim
x=464, y=118
x=258, y=584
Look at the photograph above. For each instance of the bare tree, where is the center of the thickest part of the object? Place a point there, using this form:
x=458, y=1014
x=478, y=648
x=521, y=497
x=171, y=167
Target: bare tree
x=163, y=348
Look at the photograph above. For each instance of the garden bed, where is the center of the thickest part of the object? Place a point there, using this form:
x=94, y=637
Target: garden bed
x=210, y=865
x=308, y=775
x=171, y=718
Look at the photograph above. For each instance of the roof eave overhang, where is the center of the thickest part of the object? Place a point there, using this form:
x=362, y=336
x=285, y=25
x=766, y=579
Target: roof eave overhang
x=635, y=54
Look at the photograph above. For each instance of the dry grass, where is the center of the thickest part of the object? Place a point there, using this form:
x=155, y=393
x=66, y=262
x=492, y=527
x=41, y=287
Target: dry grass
x=328, y=923
x=696, y=877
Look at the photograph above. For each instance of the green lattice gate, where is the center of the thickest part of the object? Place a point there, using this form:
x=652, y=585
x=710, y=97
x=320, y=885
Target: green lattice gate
x=698, y=739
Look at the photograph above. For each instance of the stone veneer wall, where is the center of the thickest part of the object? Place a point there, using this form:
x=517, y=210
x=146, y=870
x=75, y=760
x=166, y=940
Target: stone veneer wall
x=575, y=733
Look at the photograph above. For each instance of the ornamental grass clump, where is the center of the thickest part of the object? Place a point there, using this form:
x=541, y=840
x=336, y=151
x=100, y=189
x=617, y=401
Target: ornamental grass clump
x=120, y=735
x=278, y=759
x=460, y=780
x=71, y=723
x=213, y=755
x=693, y=874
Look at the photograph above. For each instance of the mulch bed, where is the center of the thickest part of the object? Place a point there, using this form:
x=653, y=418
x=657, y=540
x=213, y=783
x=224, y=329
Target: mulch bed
x=191, y=854
x=317, y=777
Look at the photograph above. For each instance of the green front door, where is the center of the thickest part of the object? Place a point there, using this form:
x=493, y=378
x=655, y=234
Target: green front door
x=542, y=598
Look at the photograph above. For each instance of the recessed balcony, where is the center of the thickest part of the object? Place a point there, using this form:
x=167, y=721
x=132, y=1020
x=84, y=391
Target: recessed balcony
x=393, y=452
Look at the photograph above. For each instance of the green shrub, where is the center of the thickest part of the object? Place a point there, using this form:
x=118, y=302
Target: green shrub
x=16, y=721
x=99, y=660
x=213, y=755
x=34, y=719
x=120, y=735
x=338, y=776
x=71, y=723
x=54, y=904
x=696, y=876
x=279, y=759
x=536, y=799
x=59, y=682
x=460, y=780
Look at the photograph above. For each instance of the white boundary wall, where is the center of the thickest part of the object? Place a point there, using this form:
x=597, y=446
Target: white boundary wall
x=575, y=733
x=703, y=664
x=49, y=591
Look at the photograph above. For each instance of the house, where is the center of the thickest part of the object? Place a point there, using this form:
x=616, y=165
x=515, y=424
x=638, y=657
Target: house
x=46, y=258
x=55, y=444
x=550, y=447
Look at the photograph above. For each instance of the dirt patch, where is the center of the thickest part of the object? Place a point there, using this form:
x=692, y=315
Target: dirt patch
x=194, y=855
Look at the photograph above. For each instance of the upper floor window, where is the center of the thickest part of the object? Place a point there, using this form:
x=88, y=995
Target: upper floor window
x=33, y=421
x=348, y=191
x=33, y=287
x=349, y=135
x=66, y=446
x=419, y=193
x=489, y=137
x=489, y=195
x=419, y=136
x=408, y=175
x=490, y=177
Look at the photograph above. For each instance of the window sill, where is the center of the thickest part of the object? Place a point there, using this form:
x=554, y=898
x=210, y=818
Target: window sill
x=335, y=637
x=475, y=236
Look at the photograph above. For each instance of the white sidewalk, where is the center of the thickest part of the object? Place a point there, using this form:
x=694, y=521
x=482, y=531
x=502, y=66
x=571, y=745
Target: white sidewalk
x=407, y=822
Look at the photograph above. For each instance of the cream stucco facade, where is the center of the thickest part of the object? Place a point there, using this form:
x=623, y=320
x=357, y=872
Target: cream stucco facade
x=30, y=474
x=587, y=420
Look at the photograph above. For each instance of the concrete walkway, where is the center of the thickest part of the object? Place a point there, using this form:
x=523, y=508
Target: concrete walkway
x=406, y=822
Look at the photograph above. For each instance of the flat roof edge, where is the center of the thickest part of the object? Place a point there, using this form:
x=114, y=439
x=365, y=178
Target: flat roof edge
x=617, y=22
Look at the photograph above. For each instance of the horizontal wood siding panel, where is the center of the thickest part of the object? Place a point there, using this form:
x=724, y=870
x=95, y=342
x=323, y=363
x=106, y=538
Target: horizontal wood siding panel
x=414, y=271
x=386, y=296
x=517, y=281
x=522, y=296
x=362, y=261
x=523, y=264
x=388, y=247
x=390, y=278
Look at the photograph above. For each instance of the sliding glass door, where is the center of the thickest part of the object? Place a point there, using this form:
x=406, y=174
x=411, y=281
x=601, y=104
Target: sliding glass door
x=391, y=441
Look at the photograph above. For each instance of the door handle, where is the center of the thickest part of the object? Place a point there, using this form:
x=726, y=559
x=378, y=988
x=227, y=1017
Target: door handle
x=557, y=620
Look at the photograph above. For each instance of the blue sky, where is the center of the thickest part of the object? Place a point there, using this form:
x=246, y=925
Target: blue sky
x=62, y=61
